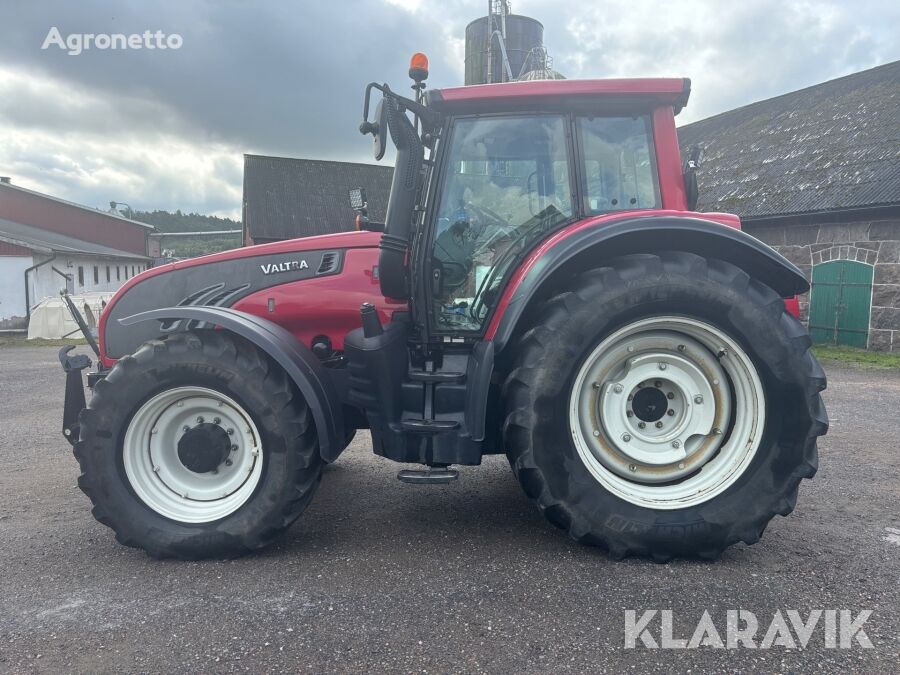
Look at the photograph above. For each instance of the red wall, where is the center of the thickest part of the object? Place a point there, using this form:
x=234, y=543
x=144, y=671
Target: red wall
x=38, y=211
x=12, y=249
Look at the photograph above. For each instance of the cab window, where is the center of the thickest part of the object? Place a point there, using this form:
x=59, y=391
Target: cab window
x=506, y=184
x=619, y=171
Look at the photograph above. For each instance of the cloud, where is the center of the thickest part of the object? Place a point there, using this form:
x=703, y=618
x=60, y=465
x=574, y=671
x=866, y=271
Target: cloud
x=168, y=128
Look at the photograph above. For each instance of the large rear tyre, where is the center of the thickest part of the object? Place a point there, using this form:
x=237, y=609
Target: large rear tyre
x=667, y=405
x=197, y=446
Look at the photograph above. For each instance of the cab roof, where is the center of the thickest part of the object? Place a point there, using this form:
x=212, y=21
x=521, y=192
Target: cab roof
x=672, y=91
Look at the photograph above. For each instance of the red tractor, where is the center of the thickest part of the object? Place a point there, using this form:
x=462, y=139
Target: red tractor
x=541, y=287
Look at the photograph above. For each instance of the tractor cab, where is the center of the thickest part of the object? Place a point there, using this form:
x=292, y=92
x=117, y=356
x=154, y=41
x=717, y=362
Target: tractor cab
x=506, y=165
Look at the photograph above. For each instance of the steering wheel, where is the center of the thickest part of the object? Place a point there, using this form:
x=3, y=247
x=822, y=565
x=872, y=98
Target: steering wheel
x=491, y=215
x=453, y=274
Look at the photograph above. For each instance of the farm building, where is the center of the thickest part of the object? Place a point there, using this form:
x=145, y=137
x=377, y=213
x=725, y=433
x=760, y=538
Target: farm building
x=48, y=244
x=286, y=198
x=816, y=174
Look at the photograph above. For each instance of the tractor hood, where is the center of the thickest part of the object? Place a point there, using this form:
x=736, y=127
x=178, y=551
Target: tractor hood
x=221, y=280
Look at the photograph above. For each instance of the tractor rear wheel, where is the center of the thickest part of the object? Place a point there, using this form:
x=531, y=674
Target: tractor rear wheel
x=197, y=446
x=667, y=405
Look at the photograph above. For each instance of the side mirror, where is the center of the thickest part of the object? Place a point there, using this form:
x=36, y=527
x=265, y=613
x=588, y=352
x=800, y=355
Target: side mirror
x=378, y=129
x=689, y=170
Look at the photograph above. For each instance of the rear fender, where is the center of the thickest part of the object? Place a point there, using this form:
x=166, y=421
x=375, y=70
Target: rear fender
x=589, y=243
x=298, y=362
x=585, y=246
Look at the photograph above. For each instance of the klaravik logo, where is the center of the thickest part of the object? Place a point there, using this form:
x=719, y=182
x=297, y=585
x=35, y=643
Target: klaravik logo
x=837, y=629
x=287, y=266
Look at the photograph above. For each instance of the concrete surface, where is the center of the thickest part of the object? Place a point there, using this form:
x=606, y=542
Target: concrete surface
x=380, y=576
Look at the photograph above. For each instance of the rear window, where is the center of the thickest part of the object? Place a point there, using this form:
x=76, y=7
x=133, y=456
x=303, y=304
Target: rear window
x=619, y=167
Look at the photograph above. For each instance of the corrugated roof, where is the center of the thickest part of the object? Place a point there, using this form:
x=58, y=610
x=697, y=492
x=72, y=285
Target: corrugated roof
x=286, y=198
x=46, y=241
x=828, y=147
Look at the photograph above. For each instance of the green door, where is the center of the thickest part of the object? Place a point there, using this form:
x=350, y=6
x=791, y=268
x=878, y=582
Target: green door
x=840, y=302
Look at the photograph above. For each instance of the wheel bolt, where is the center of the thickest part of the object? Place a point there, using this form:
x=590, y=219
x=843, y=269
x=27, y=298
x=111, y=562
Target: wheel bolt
x=626, y=437
x=630, y=349
x=229, y=431
x=657, y=384
x=618, y=389
x=670, y=396
x=596, y=432
x=717, y=431
x=680, y=465
x=233, y=448
x=662, y=366
x=670, y=412
x=659, y=425
x=642, y=425
x=698, y=399
x=185, y=428
x=676, y=444
x=199, y=420
x=632, y=467
x=228, y=462
x=596, y=385
x=681, y=348
x=629, y=413
x=217, y=420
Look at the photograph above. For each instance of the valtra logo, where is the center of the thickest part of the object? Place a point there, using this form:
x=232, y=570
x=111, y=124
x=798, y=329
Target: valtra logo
x=287, y=266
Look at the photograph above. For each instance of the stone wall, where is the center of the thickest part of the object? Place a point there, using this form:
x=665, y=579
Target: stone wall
x=874, y=242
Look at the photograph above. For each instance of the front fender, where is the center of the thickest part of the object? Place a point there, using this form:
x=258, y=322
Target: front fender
x=588, y=245
x=298, y=361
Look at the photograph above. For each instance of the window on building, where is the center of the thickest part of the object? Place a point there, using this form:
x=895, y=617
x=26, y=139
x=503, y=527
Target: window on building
x=118, y=273
x=132, y=270
x=96, y=275
x=126, y=272
x=108, y=278
x=80, y=275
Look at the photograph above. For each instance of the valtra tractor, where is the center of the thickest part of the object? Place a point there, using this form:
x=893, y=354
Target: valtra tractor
x=541, y=287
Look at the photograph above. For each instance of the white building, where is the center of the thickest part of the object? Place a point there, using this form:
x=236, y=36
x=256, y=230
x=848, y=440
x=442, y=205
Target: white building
x=47, y=245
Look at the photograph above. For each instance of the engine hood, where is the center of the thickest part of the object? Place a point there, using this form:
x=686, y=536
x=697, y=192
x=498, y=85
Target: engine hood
x=220, y=280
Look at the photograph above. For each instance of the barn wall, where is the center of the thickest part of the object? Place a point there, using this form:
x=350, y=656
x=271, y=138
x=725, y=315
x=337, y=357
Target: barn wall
x=46, y=282
x=874, y=242
x=33, y=209
x=12, y=290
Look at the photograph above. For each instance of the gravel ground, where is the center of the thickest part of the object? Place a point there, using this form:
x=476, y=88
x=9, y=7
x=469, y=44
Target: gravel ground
x=382, y=576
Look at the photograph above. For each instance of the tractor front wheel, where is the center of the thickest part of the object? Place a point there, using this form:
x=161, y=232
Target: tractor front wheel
x=197, y=446
x=667, y=405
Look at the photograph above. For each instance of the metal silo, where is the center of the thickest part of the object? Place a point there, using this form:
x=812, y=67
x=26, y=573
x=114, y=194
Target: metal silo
x=522, y=35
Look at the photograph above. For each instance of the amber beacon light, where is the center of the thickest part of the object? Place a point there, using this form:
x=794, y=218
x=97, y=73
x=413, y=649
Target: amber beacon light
x=418, y=67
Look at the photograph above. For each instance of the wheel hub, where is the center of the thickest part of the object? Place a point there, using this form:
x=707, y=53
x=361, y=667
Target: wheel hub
x=203, y=448
x=652, y=411
x=649, y=404
x=192, y=454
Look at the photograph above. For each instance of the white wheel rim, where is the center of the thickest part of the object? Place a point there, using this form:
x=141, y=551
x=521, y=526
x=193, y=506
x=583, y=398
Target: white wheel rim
x=696, y=447
x=159, y=477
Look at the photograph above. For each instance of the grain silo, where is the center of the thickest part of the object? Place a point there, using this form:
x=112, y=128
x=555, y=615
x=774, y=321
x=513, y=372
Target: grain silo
x=498, y=44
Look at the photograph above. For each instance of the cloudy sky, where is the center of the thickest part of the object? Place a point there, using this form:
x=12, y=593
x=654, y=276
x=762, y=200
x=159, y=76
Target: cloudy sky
x=168, y=128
